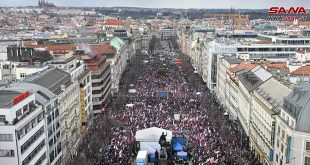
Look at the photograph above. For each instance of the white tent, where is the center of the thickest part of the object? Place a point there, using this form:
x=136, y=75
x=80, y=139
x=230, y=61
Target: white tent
x=152, y=134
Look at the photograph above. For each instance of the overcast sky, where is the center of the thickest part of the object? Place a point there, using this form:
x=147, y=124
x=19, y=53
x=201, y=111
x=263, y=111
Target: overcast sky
x=248, y=4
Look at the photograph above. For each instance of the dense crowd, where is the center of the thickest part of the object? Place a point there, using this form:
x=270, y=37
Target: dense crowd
x=211, y=136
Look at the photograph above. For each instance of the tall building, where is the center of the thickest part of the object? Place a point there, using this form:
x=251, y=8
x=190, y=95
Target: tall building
x=60, y=84
x=292, y=129
x=22, y=128
x=167, y=33
x=100, y=71
x=118, y=62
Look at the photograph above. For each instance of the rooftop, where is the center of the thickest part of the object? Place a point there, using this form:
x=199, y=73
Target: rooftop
x=52, y=79
x=242, y=66
x=304, y=70
x=232, y=60
x=297, y=103
x=113, y=22
x=6, y=97
x=254, y=78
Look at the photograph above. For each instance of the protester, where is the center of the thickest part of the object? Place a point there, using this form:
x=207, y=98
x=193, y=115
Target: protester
x=211, y=136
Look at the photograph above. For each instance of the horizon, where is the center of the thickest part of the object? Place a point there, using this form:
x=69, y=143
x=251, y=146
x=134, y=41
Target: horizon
x=163, y=4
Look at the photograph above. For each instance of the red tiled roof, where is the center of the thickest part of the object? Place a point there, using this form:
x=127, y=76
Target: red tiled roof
x=241, y=20
x=241, y=66
x=102, y=49
x=277, y=65
x=281, y=66
x=113, y=22
x=302, y=51
x=304, y=70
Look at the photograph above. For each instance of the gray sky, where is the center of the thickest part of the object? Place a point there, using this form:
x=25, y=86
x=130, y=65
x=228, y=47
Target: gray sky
x=249, y=4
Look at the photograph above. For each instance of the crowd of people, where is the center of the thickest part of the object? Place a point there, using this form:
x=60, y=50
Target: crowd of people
x=211, y=137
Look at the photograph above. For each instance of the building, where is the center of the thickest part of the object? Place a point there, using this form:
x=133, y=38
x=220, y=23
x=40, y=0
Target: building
x=100, y=70
x=118, y=63
x=22, y=133
x=142, y=35
x=70, y=111
x=292, y=140
x=266, y=104
x=7, y=70
x=224, y=63
x=60, y=84
x=232, y=88
x=22, y=71
x=43, y=3
x=167, y=33
x=27, y=54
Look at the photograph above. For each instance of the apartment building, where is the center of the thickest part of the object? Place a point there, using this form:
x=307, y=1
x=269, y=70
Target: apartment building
x=58, y=82
x=292, y=134
x=266, y=104
x=232, y=88
x=224, y=63
x=22, y=133
x=70, y=113
x=118, y=63
x=100, y=70
x=167, y=33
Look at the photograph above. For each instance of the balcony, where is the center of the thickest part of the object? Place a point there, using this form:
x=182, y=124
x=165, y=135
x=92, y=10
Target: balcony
x=32, y=108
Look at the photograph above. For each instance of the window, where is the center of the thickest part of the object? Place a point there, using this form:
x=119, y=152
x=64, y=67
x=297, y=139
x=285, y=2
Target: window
x=292, y=123
x=18, y=113
x=32, y=139
x=50, y=142
x=283, y=135
x=2, y=119
x=6, y=137
x=22, y=75
x=307, y=161
x=42, y=158
x=7, y=153
x=308, y=146
x=34, y=153
x=282, y=148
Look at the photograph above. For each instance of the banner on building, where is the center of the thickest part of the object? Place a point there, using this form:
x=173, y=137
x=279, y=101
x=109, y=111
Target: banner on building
x=82, y=98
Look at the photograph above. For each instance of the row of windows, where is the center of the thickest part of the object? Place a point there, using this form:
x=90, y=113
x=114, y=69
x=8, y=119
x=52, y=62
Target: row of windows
x=100, y=83
x=101, y=74
x=265, y=49
x=6, y=137
x=41, y=159
x=22, y=132
x=7, y=153
x=52, y=116
x=307, y=160
x=54, y=153
x=30, y=141
x=102, y=89
x=28, y=159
